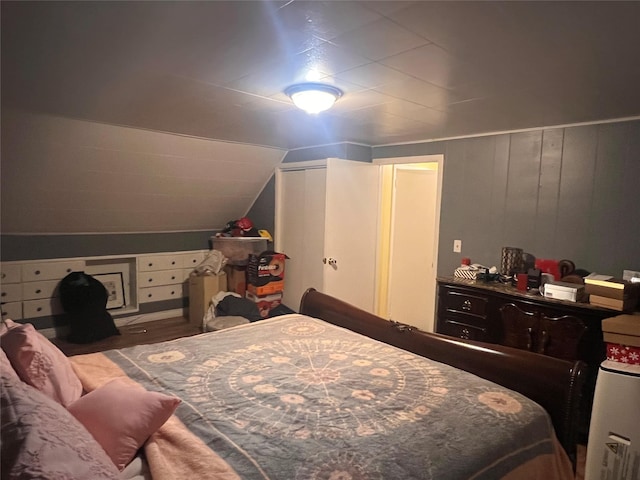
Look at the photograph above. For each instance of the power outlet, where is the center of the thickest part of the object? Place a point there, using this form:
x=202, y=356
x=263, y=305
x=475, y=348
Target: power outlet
x=457, y=246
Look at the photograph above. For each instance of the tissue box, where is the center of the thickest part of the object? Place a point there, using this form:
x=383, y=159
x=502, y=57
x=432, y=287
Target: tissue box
x=467, y=272
x=564, y=291
x=622, y=336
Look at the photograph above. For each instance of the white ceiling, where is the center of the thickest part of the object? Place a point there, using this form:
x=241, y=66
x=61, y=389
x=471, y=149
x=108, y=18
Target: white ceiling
x=410, y=71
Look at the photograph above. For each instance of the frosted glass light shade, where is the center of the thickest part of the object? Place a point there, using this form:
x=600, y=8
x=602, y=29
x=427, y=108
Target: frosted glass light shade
x=313, y=97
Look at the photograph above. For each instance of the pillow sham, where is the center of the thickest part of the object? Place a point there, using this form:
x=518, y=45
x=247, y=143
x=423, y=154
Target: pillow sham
x=5, y=367
x=41, y=439
x=122, y=415
x=41, y=364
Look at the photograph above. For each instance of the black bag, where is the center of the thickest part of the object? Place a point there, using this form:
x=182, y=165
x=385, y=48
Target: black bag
x=84, y=300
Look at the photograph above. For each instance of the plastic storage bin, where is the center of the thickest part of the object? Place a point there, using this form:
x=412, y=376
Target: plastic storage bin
x=238, y=249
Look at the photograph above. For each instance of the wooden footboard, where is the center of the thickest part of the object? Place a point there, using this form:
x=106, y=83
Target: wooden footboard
x=552, y=383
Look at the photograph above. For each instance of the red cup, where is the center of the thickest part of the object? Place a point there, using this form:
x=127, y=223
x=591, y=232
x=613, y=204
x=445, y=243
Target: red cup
x=522, y=282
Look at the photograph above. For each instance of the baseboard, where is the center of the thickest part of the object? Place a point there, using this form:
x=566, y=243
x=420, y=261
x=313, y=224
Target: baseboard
x=121, y=322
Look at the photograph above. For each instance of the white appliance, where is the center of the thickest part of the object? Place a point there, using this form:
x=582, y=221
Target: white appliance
x=613, y=449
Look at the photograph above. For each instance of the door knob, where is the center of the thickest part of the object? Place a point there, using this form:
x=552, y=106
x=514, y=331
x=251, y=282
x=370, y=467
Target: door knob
x=331, y=261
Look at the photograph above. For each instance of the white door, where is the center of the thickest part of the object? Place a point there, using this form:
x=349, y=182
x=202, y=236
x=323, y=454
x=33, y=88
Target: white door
x=326, y=222
x=411, y=282
x=300, y=219
x=351, y=231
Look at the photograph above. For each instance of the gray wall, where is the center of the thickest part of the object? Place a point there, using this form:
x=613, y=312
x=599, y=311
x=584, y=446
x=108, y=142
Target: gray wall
x=557, y=193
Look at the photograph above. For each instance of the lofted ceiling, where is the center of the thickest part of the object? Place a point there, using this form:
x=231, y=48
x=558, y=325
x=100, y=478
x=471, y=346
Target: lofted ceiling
x=410, y=71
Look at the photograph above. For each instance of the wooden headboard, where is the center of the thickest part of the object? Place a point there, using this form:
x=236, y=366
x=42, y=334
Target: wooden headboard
x=554, y=384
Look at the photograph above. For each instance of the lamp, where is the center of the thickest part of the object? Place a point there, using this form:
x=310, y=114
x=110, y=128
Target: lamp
x=313, y=97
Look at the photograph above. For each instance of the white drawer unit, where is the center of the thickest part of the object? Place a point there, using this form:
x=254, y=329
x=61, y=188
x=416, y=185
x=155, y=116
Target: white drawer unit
x=33, y=272
x=30, y=288
x=11, y=292
x=12, y=310
x=10, y=273
x=164, y=292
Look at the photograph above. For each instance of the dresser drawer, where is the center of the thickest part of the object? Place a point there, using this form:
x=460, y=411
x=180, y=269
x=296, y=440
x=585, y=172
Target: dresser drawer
x=164, y=292
x=50, y=270
x=464, y=303
x=162, y=277
x=36, y=290
x=148, y=263
x=458, y=328
x=41, y=308
x=192, y=260
x=11, y=292
x=10, y=273
x=12, y=310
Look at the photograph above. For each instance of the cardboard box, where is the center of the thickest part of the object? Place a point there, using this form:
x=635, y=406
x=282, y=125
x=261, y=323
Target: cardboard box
x=201, y=289
x=622, y=329
x=236, y=279
x=572, y=292
x=612, y=288
x=626, y=305
x=265, y=303
x=622, y=336
x=265, y=273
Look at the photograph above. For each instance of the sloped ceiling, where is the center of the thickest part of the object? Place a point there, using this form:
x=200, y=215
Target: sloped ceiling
x=410, y=71
x=167, y=116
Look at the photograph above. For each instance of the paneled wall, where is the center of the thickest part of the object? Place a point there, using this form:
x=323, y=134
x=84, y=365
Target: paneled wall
x=557, y=193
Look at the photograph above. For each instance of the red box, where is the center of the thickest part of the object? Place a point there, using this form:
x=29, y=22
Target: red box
x=265, y=273
x=265, y=303
x=623, y=353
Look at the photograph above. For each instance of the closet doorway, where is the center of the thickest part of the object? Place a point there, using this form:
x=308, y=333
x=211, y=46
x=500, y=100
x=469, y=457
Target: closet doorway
x=408, y=241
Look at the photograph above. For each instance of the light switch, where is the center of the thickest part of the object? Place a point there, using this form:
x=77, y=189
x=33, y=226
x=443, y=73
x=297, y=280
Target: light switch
x=457, y=246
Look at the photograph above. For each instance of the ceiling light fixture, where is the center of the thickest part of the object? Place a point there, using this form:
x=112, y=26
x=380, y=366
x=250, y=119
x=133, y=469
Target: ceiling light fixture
x=313, y=97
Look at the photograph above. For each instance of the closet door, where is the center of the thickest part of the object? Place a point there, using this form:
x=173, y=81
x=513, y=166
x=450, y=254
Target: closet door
x=351, y=231
x=300, y=220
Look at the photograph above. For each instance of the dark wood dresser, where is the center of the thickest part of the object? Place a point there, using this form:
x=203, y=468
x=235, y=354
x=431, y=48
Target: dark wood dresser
x=498, y=313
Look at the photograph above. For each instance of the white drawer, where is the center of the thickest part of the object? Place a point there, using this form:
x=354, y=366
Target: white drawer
x=148, y=263
x=161, y=277
x=50, y=270
x=164, y=292
x=192, y=260
x=10, y=273
x=36, y=290
x=12, y=310
x=11, y=292
x=41, y=308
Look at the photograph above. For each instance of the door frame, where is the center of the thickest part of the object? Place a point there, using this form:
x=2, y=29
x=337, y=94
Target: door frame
x=434, y=158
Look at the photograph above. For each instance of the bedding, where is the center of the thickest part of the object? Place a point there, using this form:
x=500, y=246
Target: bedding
x=294, y=397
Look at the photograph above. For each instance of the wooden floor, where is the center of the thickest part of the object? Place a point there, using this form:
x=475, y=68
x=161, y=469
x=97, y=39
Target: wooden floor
x=135, y=334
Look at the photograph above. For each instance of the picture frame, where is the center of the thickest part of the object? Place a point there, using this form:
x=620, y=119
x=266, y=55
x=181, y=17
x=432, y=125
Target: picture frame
x=114, y=284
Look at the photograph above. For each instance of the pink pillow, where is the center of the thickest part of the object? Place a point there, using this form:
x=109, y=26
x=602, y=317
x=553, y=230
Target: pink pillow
x=41, y=439
x=41, y=364
x=5, y=367
x=122, y=415
x=6, y=324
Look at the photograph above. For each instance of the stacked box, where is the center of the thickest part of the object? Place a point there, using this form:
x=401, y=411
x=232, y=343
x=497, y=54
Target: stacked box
x=265, y=280
x=613, y=293
x=236, y=279
x=265, y=303
x=201, y=289
x=622, y=336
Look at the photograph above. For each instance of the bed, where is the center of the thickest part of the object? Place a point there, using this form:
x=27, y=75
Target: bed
x=338, y=393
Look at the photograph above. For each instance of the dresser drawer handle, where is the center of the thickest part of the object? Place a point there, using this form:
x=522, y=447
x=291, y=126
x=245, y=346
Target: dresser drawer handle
x=466, y=305
x=37, y=272
x=38, y=291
